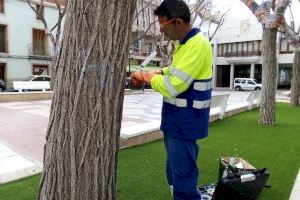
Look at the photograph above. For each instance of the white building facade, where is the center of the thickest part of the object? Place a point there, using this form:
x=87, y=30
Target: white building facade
x=145, y=32
x=237, y=53
x=25, y=49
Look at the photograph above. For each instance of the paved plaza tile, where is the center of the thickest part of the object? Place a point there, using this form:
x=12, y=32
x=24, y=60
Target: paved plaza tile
x=23, y=125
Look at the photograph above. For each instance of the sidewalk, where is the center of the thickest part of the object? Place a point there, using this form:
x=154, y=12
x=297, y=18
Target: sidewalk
x=23, y=127
x=295, y=195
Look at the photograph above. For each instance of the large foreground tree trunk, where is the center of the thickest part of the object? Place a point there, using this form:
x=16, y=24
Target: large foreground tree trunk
x=269, y=75
x=80, y=157
x=53, y=71
x=295, y=90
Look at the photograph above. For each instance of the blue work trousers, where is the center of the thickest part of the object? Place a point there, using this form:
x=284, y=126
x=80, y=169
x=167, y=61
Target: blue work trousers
x=182, y=170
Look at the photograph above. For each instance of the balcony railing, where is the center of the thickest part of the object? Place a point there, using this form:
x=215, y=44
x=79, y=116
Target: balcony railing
x=140, y=52
x=38, y=52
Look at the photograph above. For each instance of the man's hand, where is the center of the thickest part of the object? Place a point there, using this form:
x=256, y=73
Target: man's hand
x=137, y=79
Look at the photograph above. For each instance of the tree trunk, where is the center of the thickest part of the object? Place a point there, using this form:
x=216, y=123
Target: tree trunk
x=53, y=71
x=80, y=156
x=295, y=89
x=269, y=75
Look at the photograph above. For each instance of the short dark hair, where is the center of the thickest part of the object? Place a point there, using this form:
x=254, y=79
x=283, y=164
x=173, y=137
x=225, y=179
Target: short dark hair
x=174, y=9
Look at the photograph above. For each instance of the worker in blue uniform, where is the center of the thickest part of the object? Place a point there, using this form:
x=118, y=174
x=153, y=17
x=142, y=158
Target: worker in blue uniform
x=186, y=86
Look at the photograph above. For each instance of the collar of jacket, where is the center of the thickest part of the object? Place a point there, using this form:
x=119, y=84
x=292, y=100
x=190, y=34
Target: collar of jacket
x=192, y=33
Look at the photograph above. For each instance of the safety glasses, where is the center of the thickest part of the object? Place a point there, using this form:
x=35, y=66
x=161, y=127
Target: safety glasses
x=164, y=24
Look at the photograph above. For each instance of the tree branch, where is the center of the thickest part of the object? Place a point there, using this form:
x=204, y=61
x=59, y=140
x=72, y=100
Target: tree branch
x=32, y=7
x=291, y=35
x=273, y=4
x=292, y=17
x=145, y=32
x=221, y=22
x=61, y=14
x=263, y=14
x=142, y=9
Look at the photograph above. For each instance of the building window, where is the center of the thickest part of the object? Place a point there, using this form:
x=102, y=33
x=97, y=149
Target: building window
x=224, y=49
x=40, y=12
x=2, y=71
x=245, y=46
x=283, y=45
x=3, y=38
x=136, y=47
x=250, y=46
x=40, y=69
x=256, y=46
x=150, y=47
x=1, y=6
x=258, y=72
x=240, y=47
x=259, y=45
x=220, y=49
x=234, y=47
x=284, y=76
x=229, y=47
x=39, y=42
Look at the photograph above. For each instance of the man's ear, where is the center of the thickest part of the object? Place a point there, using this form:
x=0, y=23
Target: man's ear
x=179, y=21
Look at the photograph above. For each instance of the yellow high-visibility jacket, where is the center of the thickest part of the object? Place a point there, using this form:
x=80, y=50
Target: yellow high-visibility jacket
x=186, y=86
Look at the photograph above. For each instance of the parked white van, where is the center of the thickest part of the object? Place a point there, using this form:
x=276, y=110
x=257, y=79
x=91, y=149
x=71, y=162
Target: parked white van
x=246, y=84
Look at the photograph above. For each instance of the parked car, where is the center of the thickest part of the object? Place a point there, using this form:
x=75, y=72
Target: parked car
x=33, y=82
x=38, y=78
x=2, y=85
x=246, y=84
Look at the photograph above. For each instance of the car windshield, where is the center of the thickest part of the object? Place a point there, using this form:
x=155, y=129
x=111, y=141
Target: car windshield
x=28, y=78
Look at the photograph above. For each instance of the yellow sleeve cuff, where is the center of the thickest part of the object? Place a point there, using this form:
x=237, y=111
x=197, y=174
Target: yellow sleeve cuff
x=158, y=84
x=156, y=80
x=166, y=70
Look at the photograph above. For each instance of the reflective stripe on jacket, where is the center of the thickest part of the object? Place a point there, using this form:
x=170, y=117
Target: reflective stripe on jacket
x=186, y=87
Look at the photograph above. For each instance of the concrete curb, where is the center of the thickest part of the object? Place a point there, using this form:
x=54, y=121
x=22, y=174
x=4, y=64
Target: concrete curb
x=25, y=96
x=295, y=194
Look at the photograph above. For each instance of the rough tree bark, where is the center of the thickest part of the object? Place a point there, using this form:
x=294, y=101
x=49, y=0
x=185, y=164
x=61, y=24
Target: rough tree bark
x=292, y=34
x=269, y=75
x=295, y=90
x=271, y=15
x=80, y=156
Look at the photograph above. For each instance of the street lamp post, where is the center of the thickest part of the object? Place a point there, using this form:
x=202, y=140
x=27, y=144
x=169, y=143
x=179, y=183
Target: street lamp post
x=129, y=58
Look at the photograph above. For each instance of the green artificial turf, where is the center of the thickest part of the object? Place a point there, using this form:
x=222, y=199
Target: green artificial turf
x=23, y=189
x=141, y=171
